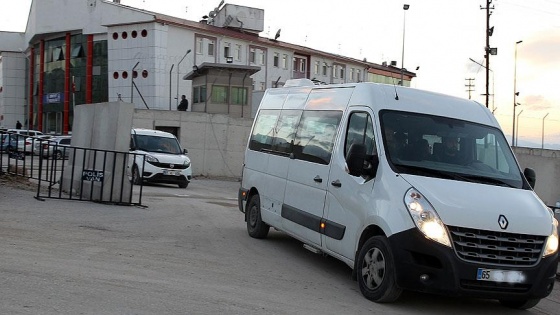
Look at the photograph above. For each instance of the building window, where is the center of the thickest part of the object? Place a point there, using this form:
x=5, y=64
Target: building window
x=262, y=86
x=238, y=96
x=276, y=62
x=352, y=74
x=199, y=94
x=134, y=34
x=284, y=61
x=226, y=51
x=252, y=55
x=342, y=72
x=211, y=48
x=325, y=68
x=316, y=71
x=238, y=52
x=124, y=35
x=144, y=33
x=334, y=71
x=358, y=75
x=199, y=46
x=219, y=94
x=262, y=57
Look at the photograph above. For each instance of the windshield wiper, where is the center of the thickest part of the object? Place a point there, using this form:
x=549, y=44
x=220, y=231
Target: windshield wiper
x=487, y=180
x=416, y=170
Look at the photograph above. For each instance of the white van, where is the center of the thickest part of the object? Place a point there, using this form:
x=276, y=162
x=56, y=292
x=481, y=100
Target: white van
x=414, y=190
x=157, y=157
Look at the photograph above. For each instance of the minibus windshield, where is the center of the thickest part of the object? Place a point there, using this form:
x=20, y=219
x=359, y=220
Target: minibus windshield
x=449, y=148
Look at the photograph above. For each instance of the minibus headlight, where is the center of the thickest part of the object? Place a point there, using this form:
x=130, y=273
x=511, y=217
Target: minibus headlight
x=425, y=217
x=187, y=163
x=552, y=241
x=151, y=159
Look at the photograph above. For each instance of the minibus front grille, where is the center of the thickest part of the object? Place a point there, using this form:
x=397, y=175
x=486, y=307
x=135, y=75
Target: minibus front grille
x=497, y=248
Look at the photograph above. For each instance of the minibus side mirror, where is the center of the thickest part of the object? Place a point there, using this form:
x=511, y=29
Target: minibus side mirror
x=531, y=176
x=185, y=151
x=355, y=159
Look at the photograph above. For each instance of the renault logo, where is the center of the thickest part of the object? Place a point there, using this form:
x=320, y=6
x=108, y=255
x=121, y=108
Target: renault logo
x=503, y=222
x=171, y=166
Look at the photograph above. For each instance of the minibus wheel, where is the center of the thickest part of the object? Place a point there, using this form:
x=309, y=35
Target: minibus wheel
x=376, y=271
x=520, y=304
x=255, y=226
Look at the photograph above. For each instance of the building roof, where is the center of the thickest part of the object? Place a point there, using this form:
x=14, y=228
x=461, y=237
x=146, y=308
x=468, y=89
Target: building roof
x=206, y=67
x=202, y=26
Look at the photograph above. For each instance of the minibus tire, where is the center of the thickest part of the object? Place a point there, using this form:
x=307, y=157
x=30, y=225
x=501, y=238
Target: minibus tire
x=376, y=271
x=255, y=226
x=520, y=304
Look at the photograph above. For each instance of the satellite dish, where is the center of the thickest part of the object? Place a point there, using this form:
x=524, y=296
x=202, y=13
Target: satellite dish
x=212, y=14
x=277, y=34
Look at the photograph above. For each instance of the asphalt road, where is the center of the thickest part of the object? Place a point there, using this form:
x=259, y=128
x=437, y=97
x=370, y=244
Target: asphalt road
x=187, y=252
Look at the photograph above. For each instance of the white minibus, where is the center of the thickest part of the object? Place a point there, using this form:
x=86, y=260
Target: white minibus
x=413, y=190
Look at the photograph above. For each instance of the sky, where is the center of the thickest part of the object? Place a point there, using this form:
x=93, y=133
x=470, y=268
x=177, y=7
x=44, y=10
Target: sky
x=440, y=39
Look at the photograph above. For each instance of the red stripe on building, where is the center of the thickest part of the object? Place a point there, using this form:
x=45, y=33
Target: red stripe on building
x=89, y=70
x=30, y=122
x=40, y=87
x=67, y=84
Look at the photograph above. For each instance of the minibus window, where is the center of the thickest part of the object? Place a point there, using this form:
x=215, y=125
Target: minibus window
x=449, y=148
x=263, y=132
x=285, y=131
x=360, y=130
x=315, y=135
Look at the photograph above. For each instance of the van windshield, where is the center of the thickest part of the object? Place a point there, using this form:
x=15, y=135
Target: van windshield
x=157, y=144
x=449, y=148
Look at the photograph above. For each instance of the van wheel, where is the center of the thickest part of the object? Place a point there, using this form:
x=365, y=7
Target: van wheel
x=255, y=226
x=136, y=179
x=183, y=184
x=520, y=304
x=376, y=271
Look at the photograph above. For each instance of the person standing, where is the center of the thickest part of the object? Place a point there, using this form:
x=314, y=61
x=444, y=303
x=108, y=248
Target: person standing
x=184, y=105
x=18, y=125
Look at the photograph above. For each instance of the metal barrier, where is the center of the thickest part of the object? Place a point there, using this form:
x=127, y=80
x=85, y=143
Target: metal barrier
x=68, y=172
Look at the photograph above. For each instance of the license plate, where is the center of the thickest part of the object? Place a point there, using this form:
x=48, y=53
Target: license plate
x=495, y=275
x=172, y=173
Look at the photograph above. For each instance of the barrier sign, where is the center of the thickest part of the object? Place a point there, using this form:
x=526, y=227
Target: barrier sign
x=92, y=175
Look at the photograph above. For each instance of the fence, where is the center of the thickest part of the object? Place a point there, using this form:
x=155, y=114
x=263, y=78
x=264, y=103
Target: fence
x=67, y=172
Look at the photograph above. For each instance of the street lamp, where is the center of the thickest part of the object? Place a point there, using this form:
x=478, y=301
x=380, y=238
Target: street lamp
x=405, y=8
x=542, y=146
x=517, y=128
x=515, y=93
x=178, y=70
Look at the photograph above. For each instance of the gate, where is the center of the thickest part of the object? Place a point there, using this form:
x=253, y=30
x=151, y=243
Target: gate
x=74, y=173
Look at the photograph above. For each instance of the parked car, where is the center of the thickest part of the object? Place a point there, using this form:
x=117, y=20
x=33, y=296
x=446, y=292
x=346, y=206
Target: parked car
x=32, y=142
x=12, y=142
x=56, y=146
x=156, y=156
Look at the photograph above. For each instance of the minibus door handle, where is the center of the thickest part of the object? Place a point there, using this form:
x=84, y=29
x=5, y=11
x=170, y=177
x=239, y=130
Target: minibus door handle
x=318, y=179
x=336, y=183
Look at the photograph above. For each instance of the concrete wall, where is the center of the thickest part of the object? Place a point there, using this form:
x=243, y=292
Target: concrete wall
x=546, y=164
x=103, y=126
x=216, y=142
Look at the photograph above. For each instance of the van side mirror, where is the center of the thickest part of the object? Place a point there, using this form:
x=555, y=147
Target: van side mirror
x=531, y=176
x=356, y=158
x=185, y=151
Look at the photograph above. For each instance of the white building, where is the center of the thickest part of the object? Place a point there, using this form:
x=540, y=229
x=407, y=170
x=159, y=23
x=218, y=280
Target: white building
x=89, y=51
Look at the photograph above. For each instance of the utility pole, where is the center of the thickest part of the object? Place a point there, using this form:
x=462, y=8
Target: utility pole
x=469, y=86
x=488, y=50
